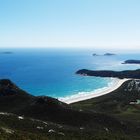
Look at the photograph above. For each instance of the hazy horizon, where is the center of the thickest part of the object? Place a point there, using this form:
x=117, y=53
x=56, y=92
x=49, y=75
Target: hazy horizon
x=64, y=50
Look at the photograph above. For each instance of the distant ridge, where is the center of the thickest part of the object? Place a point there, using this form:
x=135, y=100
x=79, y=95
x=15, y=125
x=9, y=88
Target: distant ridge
x=131, y=62
x=108, y=73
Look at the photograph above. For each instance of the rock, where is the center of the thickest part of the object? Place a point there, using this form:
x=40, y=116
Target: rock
x=9, y=131
x=20, y=118
x=39, y=127
x=51, y=131
x=61, y=133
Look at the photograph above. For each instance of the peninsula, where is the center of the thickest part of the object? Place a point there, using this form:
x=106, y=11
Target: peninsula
x=108, y=73
x=131, y=62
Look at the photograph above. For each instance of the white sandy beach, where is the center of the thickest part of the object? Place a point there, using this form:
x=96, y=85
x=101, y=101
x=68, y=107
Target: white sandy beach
x=97, y=93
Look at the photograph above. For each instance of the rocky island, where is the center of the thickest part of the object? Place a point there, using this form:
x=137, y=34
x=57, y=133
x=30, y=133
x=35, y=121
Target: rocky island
x=95, y=54
x=109, y=73
x=131, y=62
x=6, y=52
x=109, y=54
x=106, y=54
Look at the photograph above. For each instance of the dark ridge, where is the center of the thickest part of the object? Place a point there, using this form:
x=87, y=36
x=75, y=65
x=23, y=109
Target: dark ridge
x=7, y=88
x=107, y=73
x=131, y=62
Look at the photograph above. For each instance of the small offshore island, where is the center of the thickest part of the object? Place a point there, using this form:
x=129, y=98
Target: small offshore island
x=106, y=54
x=6, y=52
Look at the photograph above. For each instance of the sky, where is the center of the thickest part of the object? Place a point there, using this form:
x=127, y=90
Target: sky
x=70, y=23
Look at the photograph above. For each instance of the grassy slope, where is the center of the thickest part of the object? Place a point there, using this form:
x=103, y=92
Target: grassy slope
x=117, y=104
x=109, y=117
x=13, y=128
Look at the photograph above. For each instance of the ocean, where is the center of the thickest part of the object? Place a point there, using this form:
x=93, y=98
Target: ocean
x=52, y=72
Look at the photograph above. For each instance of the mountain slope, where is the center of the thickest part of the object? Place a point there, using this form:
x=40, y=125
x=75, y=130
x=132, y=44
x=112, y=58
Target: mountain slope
x=63, y=121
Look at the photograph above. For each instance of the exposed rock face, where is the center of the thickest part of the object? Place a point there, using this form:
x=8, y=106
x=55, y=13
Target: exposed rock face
x=134, y=85
x=132, y=62
x=106, y=73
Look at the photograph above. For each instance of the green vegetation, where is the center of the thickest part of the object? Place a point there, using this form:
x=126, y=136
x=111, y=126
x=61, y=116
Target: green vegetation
x=109, y=117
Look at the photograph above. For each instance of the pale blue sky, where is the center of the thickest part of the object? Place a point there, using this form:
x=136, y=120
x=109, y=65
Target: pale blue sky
x=70, y=23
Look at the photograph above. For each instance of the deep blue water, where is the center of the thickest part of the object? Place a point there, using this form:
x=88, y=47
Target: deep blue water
x=52, y=72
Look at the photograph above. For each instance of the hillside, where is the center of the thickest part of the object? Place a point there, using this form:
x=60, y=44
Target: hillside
x=123, y=104
x=109, y=73
x=23, y=116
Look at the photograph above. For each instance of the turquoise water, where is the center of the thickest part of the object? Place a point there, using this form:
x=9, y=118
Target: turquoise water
x=52, y=72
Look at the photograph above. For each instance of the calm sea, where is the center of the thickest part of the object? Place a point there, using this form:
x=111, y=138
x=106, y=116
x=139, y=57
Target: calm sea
x=52, y=72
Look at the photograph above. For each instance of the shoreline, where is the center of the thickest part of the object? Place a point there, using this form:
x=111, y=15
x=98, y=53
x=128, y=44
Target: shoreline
x=88, y=95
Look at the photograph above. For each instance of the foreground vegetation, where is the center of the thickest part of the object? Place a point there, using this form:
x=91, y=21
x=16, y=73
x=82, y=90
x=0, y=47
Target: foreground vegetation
x=115, y=116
